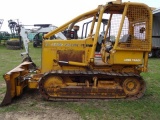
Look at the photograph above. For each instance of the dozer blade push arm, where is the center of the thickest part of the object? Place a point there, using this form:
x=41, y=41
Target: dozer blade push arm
x=15, y=82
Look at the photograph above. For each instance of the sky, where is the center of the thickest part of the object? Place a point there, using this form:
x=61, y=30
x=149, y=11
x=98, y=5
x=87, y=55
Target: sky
x=56, y=12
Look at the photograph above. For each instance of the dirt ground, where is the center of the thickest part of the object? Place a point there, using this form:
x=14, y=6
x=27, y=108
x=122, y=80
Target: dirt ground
x=43, y=113
x=54, y=114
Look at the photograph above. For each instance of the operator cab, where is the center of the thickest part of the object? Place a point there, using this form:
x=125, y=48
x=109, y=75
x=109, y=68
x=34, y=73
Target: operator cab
x=116, y=35
x=71, y=32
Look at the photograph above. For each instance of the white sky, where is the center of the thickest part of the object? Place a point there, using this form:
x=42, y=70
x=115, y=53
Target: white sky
x=56, y=12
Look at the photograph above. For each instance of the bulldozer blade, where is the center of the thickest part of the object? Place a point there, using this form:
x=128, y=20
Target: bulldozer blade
x=7, y=99
x=11, y=83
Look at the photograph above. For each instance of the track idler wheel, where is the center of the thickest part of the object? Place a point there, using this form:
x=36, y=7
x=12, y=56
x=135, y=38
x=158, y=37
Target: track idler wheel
x=50, y=85
x=134, y=88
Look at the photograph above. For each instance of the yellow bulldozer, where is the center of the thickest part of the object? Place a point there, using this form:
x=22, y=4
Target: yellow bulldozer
x=70, y=69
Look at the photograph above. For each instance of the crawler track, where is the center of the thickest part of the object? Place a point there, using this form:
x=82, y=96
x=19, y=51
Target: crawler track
x=128, y=86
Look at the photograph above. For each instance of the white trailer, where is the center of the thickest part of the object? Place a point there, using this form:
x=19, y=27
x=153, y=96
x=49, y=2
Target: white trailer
x=156, y=34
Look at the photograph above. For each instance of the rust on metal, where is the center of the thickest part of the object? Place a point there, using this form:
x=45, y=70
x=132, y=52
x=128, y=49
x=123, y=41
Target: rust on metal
x=9, y=81
x=70, y=55
x=7, y=99
x=19, y=67
x=113, y=89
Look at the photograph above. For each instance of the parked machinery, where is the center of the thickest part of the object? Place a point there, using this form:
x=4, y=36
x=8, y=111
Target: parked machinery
x=43, y=29
x=69, y=68
x=4, y=35
x=155, y=52
x=12, y=39
x=14, y=42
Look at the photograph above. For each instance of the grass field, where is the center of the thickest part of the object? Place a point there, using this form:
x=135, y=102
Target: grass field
x=146, y=108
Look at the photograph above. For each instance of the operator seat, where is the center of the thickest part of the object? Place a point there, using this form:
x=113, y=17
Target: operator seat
x=125, y=38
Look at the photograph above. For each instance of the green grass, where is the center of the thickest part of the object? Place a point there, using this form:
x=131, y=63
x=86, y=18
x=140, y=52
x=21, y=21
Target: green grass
x=146, y=108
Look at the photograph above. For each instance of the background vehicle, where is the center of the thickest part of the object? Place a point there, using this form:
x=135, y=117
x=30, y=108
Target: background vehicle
x=4, y=35
x=156, y=34
x=43, y=29
x=14, y=42
x=69, y=68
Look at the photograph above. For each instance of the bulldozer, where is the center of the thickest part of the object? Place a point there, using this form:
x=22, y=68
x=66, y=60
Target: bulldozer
x=69, y=69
